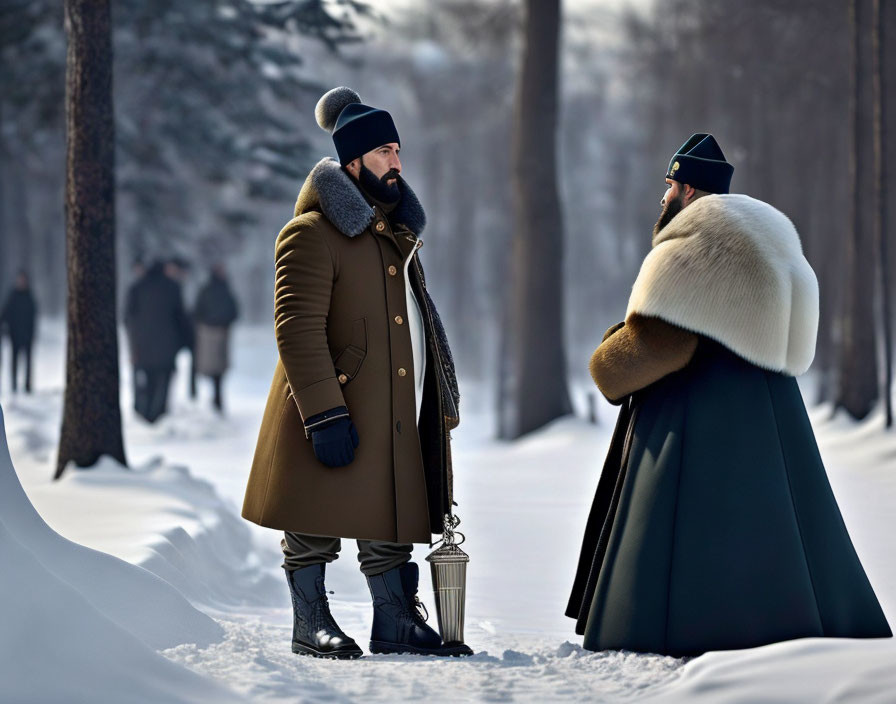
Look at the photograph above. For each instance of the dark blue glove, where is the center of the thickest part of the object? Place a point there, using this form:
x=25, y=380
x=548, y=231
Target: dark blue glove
x=335, y=443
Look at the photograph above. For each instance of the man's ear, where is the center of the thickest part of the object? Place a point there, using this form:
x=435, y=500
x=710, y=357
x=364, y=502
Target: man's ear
x=354, y=167
x=689, y=193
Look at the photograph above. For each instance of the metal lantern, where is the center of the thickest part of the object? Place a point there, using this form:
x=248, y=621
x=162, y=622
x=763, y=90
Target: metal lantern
x=449, y=582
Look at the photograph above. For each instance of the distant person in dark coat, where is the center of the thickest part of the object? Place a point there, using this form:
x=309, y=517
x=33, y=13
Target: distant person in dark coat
x=216, y=309
x=158, y=328
x=178, y=268
x=19, y=317
x=138, y=270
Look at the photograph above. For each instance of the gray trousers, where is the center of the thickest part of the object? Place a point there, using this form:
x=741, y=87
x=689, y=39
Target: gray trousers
x=375, y=557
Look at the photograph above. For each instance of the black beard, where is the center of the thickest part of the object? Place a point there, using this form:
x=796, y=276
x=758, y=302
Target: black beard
x=670, y=210
x=377, y=188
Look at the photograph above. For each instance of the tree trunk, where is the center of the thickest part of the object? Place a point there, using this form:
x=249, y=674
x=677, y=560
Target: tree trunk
x=465, y=248
x=829, y=271
x=91, y=421
x=4, y=256
x=858, y=384
x=880, y=205
x=537, y=389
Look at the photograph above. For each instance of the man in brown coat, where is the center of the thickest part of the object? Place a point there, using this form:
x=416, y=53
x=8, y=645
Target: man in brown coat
x=354, y=440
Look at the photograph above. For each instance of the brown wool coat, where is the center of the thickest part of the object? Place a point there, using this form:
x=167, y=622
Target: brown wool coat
x=338, y=291
x=635, y=354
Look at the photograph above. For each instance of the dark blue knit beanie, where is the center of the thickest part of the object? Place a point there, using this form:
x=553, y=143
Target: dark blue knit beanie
x=700, y=163
x=356, y=128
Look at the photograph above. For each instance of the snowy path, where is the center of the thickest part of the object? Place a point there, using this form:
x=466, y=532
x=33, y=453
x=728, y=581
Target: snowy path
x=523, y=507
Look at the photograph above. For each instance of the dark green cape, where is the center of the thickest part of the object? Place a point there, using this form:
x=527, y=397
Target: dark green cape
x=714, y=526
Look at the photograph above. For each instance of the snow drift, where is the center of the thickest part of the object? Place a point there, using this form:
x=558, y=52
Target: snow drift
x=158, y=516
x=80, y=625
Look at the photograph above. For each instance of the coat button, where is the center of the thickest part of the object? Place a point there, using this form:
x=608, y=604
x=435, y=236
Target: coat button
x=399, y=319
x=392, y=271
x=402, y=371
x=380, y=226
x=343, y=378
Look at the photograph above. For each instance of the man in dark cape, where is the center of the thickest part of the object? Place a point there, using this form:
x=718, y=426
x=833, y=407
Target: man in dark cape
x=714, y=525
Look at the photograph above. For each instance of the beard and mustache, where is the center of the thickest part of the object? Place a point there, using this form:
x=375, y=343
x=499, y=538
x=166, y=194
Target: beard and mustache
x=389, y=193
x=670, y=210
x=378, y=188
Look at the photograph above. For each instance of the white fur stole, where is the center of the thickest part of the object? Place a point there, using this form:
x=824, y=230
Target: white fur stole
x=731, y=267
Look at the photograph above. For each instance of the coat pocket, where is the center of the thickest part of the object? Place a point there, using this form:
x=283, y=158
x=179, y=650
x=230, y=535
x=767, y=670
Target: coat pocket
x=348, y=361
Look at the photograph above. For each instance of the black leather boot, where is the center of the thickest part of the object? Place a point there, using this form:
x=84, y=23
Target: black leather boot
x=314, y=631
x=398, y=626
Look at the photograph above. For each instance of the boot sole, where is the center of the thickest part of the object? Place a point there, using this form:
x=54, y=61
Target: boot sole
x=302, y=649
x=379, y=647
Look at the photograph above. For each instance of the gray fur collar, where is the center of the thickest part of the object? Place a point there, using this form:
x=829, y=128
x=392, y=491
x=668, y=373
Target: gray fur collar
x=329, y=188
x=732, y=268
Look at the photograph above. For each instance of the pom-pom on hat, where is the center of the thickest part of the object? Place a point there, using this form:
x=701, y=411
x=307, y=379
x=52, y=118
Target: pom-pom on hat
x=356, y=128
x=701, y=164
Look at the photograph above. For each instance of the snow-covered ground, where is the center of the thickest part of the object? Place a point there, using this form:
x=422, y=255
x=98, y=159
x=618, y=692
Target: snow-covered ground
x=98, y=624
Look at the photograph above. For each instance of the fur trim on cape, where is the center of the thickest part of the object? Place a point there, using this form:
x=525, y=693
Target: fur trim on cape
x=731, y=267
x=329, y=188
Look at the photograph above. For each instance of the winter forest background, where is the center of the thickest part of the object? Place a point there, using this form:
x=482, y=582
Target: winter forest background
x=213, y=105
x=536, y=134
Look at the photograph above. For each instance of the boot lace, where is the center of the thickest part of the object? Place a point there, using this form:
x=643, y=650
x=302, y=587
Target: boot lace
x=409, y=606
x=323, y=610
x=420, y=609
